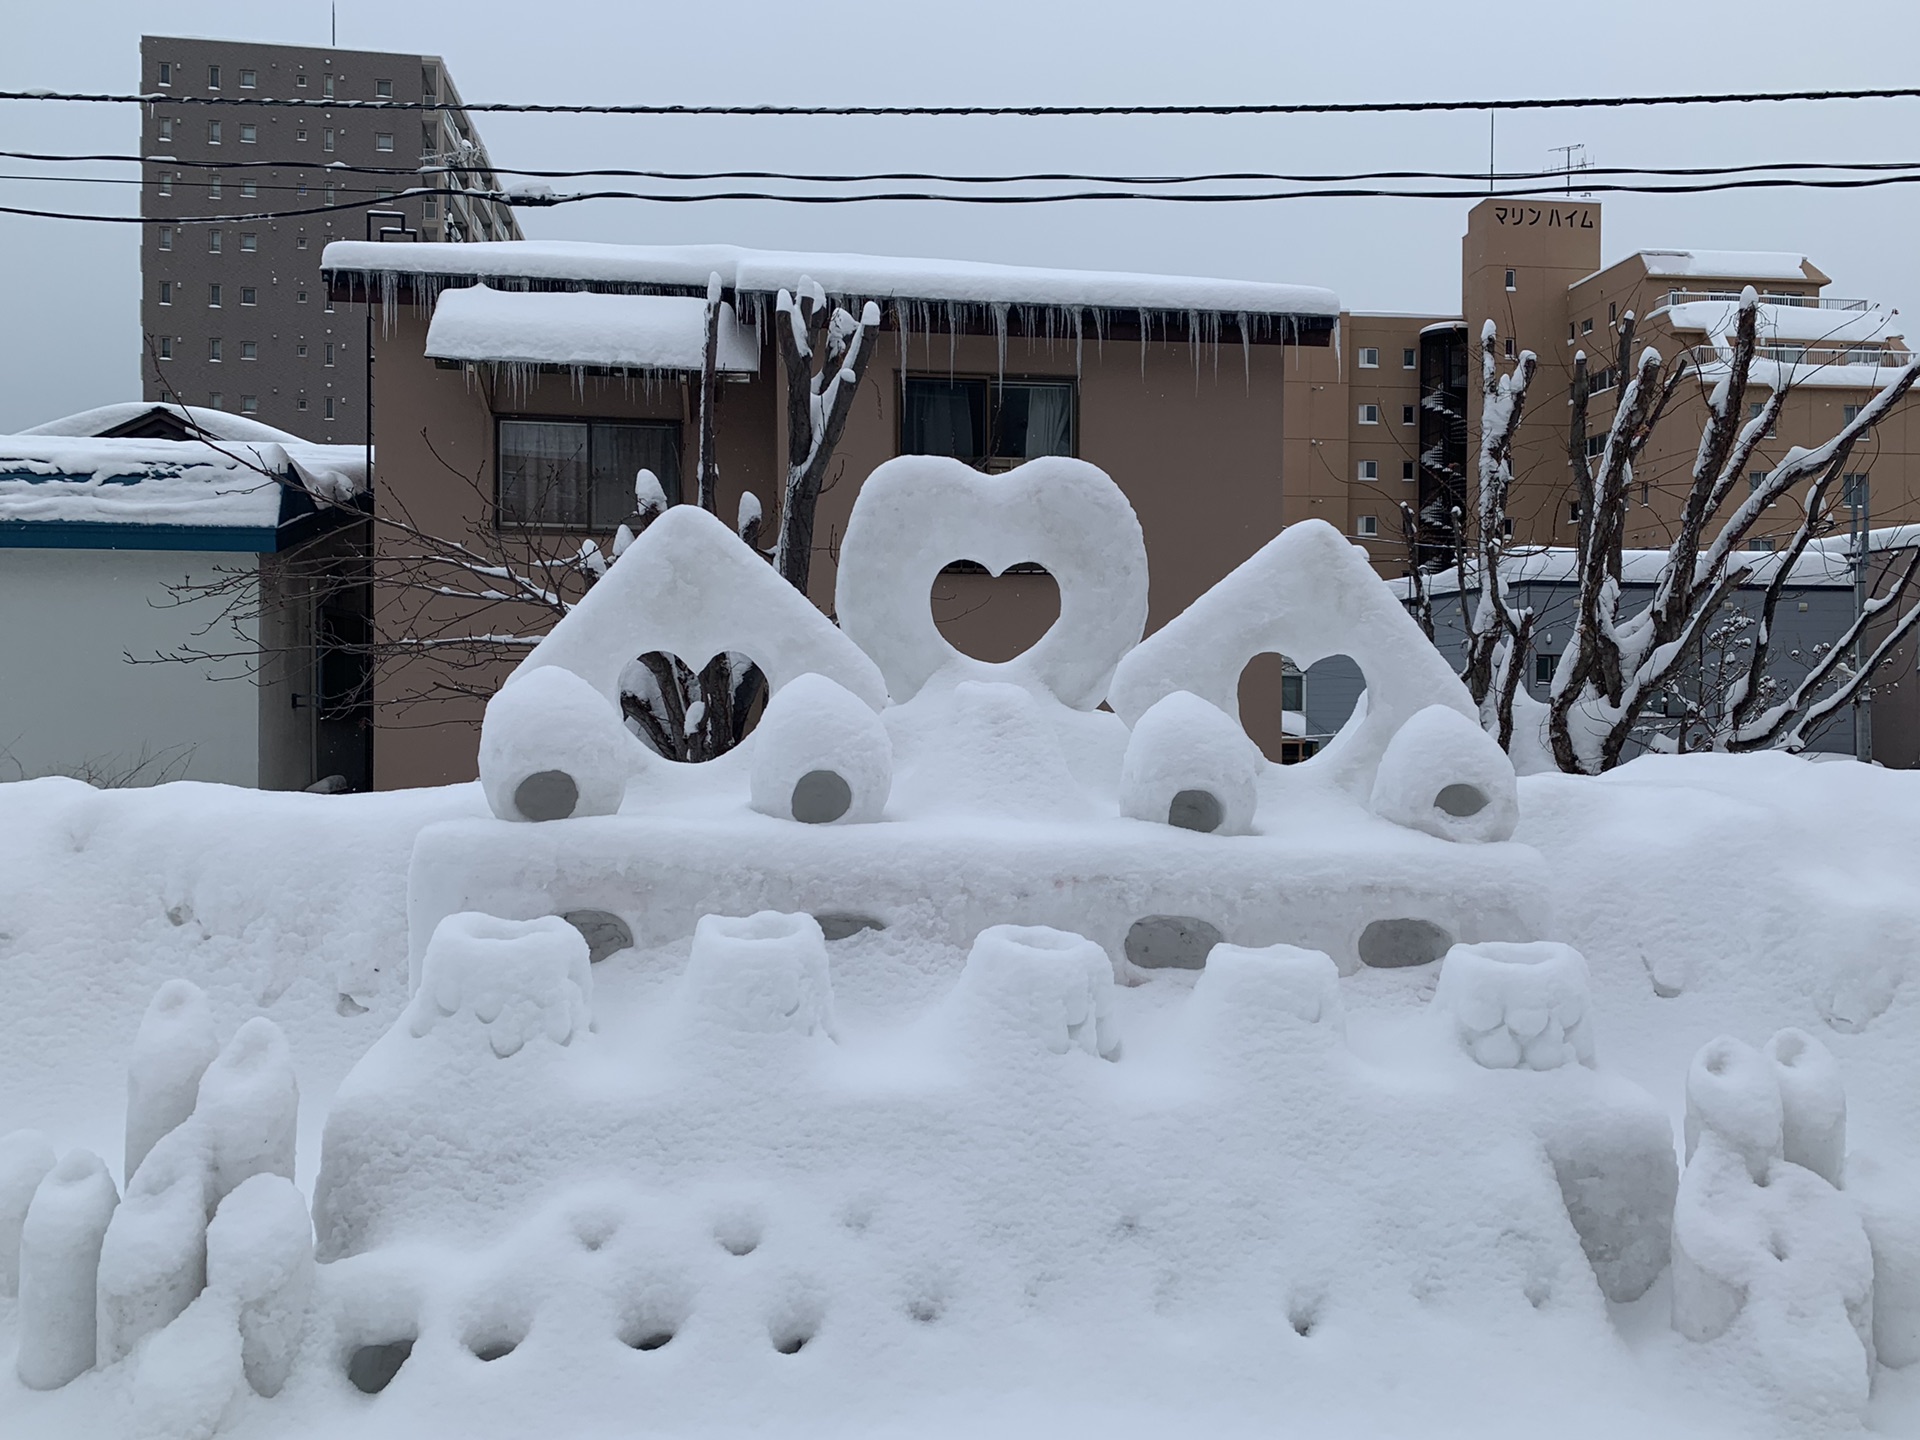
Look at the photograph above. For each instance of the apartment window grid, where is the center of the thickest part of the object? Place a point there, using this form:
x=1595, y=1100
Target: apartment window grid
x=216, y=400
x=987, y=422
x=249, y=189
x=383, y=140
x=579, y=474
x=326, y=137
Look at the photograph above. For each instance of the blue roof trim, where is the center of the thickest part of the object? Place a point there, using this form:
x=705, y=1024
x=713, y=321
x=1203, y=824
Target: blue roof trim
x=113, y=535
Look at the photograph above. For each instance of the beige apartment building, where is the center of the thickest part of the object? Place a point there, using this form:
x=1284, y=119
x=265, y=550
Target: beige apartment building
x=233, y=316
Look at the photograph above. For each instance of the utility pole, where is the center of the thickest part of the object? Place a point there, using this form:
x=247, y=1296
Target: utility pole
x=1858, y=507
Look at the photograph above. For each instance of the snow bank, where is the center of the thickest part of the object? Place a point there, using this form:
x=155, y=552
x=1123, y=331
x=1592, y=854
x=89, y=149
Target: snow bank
x=627, y=332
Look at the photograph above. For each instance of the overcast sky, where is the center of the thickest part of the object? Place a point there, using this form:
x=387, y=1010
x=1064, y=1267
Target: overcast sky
x=69, y=319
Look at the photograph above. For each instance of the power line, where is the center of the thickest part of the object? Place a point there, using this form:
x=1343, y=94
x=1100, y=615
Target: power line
x=1376, y=107
x=1478, y=177
x=1544, y=192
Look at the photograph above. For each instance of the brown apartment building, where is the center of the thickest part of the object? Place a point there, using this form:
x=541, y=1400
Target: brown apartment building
x=1224, y=410
x=233, y=314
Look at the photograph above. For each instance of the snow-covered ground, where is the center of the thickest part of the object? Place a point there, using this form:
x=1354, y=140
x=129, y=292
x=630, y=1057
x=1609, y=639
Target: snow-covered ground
x=1710, y=896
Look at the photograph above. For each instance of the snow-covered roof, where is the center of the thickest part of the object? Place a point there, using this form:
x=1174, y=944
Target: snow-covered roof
x=217, y=424
x=1818, y=373
x=1800, y=323
x=1824, y=564
x=123, y=481
x=875, y=277
x=630, y=332
x=1729, y=265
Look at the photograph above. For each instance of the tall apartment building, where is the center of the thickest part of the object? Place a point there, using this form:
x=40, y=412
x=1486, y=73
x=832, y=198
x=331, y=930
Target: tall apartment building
x=233, y=314
x=1392, y=415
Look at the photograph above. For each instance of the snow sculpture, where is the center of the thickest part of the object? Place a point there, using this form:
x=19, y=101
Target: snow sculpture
x=820, y=756
x=175, y=1045
x=1813, y=1104
x=248, y=1110
x=25, y=1158
x=1443, y=774
x=260, y=1261
x=690, y=587
x=1034, y=990
x=919, y=513
x=764, y=974
x=551, y=747
x=1307, y=594
x=1250, y=1005
x=153, y=1261
x=1515, y=1005
x=1764, y=1242
x=1890, y=1210
x=1190, y=766
x=59, y=1264
x=1612, y=1154
x=515, y=981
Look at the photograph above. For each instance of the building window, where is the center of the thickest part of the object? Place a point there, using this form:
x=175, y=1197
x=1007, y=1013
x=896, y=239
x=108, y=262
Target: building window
x=1510, y=347
x=1755, y=480
x=165, y=238
x=300, y=135
x=329, y=353
x=166, y=72
x=1406, y=415
x=300, y=349
x=249, y=79
x=213, y=350
x=1369, y=470
x=1573, y=512
x=213, y=132
x=213, y=242
x=1406, y=470
x=1586, y=327
x=329, y=407
x=1366, y=527
x=1409, y=359
x=249, y=295
x=249, y=350
x=301, y=403
x=326, y=137
x=1764, y=543
x=165, y=185
x=249, y=189
x=300, y=296
x=213, y=77
x=579, y=474
x=249, y=134
x=213, y=297
x=326, y=87
x=1613, y=312
x=1369, y=358
x=1510, y=284
x=1596, y=444
x=216, y=400
x=1571, y=332
x=988, y=422
x=300, y=80
x=166, y=130
x=213, y=186
x=383, y=89
x=1543, y=668
x=383, y=140
x=1753, y=413
x=1369, y=414
x=249, y=404
x=329, y=198
x=1848, y=413
x=249, y=241
x=166, y=292
x=1853, y=490
x=166, y=347
x=430, y=207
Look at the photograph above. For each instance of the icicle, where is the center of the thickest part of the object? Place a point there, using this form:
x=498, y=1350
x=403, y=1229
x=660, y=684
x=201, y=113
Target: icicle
x=1000, y=337
x=1246, y=349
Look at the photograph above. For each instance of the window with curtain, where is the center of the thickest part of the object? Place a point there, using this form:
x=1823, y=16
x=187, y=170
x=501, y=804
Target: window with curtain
x=578, y=474
x=989, y=422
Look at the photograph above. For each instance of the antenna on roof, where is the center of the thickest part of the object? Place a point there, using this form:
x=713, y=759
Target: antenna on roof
x=1573, y=158
x=333, y=12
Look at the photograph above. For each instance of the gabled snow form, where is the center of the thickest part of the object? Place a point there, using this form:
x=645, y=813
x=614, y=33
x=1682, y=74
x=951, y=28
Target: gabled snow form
x=626, y=332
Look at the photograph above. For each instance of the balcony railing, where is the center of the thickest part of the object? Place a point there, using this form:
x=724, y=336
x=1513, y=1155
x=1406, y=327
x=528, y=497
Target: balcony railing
x=1806, y=302
x=1806, y=356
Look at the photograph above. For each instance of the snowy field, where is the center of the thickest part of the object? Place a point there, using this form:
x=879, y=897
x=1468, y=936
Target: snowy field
x=1757, y=892
x=957, y=1056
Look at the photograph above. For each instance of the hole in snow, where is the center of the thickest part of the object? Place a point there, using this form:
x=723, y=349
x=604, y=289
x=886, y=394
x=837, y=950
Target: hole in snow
x=604, y=932
x=1395, y=944
x=692, y=715
x=648, y=1339
x=1196, y=810
x=791, y=1338
x=546, y=795
x=1302, y=1317
x=1461, y=800
x=371, y=1368
x=738, y=1234
x=839, y=924
x=925, y=1308
x=994, y=617
x=1789, y=1048
x=492, y=1347
x=820, y=797
x=1171, y=942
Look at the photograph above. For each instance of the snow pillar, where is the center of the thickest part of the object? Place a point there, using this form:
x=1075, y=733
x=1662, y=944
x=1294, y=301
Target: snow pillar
x=249, y=1106
x=260, y=1259
x=763, y=973
x=175, y=1045
x=1030, y=989
x=1513, y=1006
x=1813, y=1104
x=1732, y=1092
x=59, y=1264
x=153, y=1262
